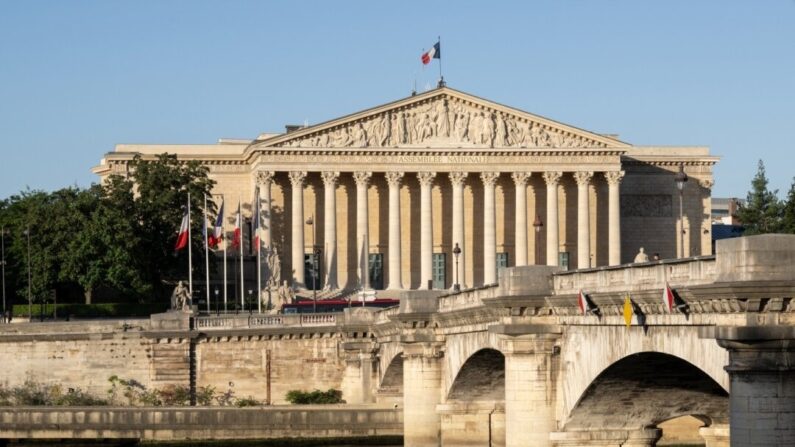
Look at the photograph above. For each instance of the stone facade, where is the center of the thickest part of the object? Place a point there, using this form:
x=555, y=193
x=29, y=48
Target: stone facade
x=409, y=180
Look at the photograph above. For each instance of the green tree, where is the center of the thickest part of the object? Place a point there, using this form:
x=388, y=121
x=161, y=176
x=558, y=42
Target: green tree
x=761, y=212
x=159, y=189
x=788, y=211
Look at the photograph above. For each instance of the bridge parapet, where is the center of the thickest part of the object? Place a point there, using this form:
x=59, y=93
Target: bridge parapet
x=225, y=322
x=635, y=277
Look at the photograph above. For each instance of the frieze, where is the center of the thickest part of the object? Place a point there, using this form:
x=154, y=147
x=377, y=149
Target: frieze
x=444, y=121
x=441, y=159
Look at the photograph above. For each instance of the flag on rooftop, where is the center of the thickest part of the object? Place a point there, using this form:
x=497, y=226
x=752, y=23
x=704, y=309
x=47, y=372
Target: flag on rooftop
x=434, y=53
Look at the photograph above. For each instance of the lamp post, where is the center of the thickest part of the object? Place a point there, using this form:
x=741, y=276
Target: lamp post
x=681, y=179
x=250, y=306
x=311, y=221
x=3, y=265
x=217, y=310
x=537, y=224
x=456, y=253
x=30, y=296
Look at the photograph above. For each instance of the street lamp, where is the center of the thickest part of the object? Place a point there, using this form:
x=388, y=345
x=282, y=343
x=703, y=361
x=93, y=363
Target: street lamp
x=311, y=221
x=681, y=179
x=456, y=253
x=3, y=264
x=217, y=311
x=537, y=224
x=250, y=305
x=30, y=296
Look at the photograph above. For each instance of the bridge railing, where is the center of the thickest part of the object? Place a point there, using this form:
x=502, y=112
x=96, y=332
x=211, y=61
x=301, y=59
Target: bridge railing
x=224, y=322
x=466, y=299
x=628, y=277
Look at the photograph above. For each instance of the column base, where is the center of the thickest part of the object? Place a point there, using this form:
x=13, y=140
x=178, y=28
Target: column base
x=646, y=437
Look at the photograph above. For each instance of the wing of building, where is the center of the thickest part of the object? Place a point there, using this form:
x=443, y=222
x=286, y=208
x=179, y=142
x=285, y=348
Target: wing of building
x=393, y=190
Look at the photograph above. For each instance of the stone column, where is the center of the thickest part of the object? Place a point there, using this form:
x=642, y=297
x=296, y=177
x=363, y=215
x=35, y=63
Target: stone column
x=762, y=383
x=426, y=229
x=395, y=260
x=362, y=227
x=529, y=388
x=614, y=216
x=716, y=435
x=297, y=180
x=422, y=383
x=357, y=379
x=330, y=228
x=489, y=228
x=265, y=180
x=457, y=179
x=583, y=180
x=552, y=178
x=520, y=236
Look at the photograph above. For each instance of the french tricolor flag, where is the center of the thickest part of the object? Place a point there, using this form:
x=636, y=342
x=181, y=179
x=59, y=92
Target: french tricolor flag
x=236, y=237
x=218, y=228
x=182, y=238
x=668, y=298
x=434, y=53
x=582, y=303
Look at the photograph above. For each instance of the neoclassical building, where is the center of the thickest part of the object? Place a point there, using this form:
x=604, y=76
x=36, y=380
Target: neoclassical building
x=391, y=191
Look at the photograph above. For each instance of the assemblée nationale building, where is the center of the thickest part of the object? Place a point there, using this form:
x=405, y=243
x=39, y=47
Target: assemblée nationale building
x=393, y=189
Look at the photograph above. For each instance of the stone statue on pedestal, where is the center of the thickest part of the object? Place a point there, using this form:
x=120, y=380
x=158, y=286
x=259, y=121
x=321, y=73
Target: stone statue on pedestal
x=180, y=297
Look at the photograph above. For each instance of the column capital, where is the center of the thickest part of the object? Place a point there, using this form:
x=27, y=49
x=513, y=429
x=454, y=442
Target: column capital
x=330, y=177
x=362, y=178
x=521, y=178
x=529, y=344
x=489, y=178
x=426, y=178
x=458, y=178
x=552, y=177
x=264, y=178
x=394, y=178
x=614, y=177
x=583, y=178
x=297, y=177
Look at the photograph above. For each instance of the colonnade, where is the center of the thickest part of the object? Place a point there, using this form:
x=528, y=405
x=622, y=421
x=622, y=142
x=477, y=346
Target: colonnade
x=426, y=180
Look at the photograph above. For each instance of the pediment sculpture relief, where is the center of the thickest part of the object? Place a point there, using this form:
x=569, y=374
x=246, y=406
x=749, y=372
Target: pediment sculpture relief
x=444, y=122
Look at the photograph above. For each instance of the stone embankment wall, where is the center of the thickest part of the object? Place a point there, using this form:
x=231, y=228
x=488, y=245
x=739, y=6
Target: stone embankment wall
x=259, y=363
x=163, y=424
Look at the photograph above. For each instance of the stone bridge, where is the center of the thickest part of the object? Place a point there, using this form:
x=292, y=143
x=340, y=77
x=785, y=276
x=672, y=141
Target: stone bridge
x=519, y=364
x=514, y=364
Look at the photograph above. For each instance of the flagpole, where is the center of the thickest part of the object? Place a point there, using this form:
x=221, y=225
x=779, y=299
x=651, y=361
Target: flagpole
x=259, y=254
x=223, y=234
x=242, y=280
x=190, y=255
x=441, y=78
x=207, y=254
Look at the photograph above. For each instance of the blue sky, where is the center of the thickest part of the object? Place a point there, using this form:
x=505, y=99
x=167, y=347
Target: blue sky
x=78, y=77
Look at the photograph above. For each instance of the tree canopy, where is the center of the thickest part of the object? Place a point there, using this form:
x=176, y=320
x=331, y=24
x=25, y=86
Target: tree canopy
x=118, y=236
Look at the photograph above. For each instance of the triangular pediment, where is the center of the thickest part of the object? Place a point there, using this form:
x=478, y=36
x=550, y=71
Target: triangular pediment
x=442, y=118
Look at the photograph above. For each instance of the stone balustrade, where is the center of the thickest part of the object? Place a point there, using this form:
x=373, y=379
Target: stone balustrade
x=224, y=322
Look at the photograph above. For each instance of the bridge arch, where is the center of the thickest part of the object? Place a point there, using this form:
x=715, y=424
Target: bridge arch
x=644, y=389
x=482, y=377
x=588, y=351
x=458, y=350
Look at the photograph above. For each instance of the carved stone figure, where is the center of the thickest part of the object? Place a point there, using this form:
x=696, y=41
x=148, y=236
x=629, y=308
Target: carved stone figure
x=462, y=127
x=555, y=139
x=442, y=119
x=424, y=128
x=487, y=136
x=384, y=130
x=286, y=293
x=359, y=136
x=180, y=297
x=475, y=128
x=501, y=132
x=401, y=126
x=341, y=138
x=274, y=268
x=641, y=256
x=538, y=136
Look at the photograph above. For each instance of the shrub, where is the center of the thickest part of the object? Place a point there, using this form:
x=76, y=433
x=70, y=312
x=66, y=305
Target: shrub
x=247, y=402
x=92, y=310
x=34, y=393
x=331, y=396
x=205, y=395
